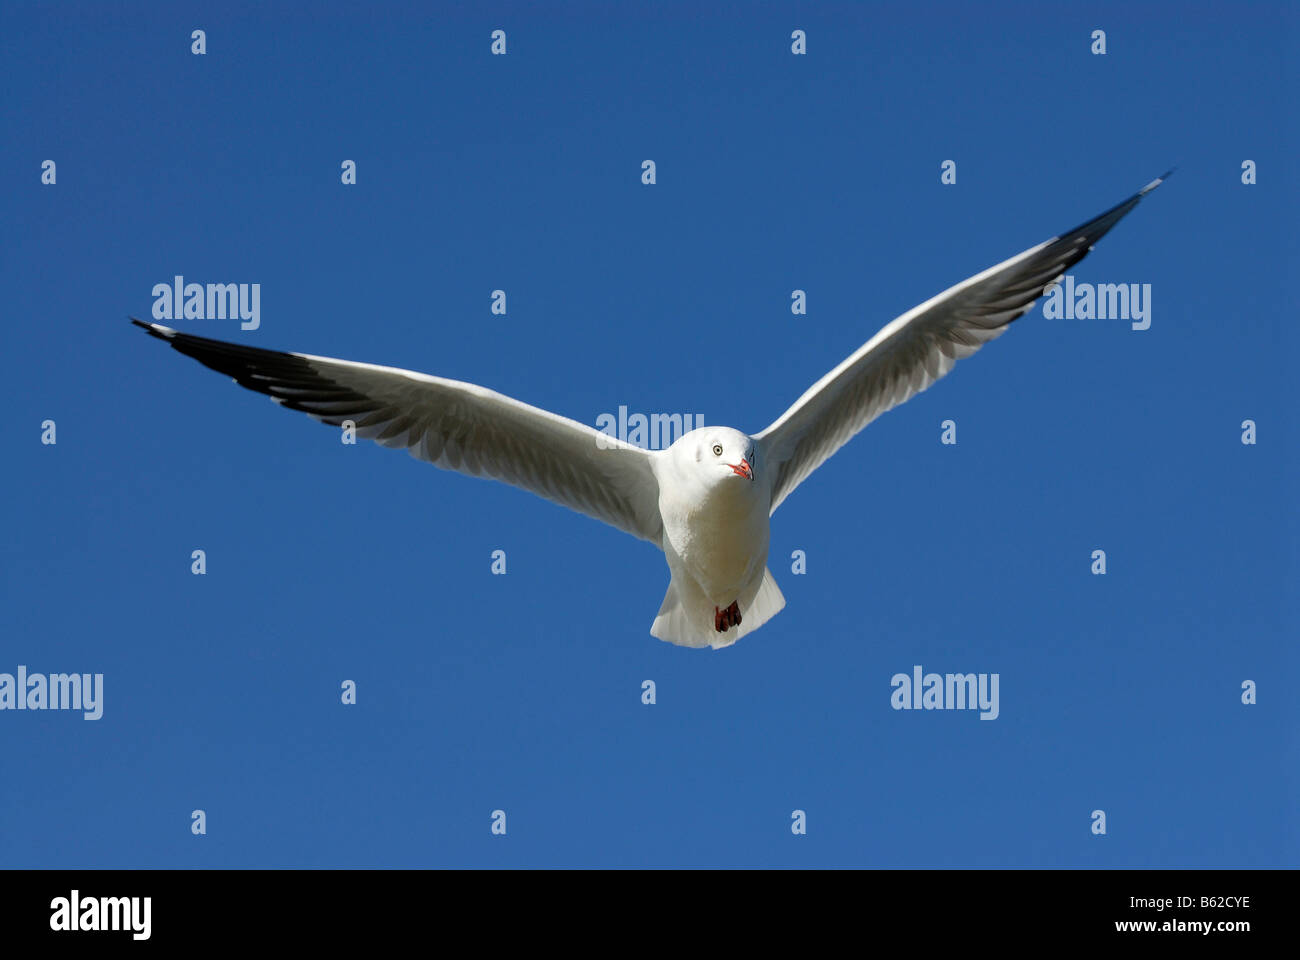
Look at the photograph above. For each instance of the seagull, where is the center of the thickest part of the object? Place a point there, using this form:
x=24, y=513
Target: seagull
x=707, y=500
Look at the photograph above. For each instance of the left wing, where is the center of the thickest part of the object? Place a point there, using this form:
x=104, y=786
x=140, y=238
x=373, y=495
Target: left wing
x=918, y=348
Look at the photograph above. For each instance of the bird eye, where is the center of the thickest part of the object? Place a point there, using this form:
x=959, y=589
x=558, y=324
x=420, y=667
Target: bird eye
x=717, y=449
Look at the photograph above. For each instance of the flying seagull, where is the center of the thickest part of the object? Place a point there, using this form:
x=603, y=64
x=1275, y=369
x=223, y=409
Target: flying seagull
x=707, y=500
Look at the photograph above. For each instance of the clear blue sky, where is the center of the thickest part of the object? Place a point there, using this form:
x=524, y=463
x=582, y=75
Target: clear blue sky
x=522, y=692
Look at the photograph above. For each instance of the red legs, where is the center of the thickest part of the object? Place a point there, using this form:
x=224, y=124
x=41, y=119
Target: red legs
x=724, y=620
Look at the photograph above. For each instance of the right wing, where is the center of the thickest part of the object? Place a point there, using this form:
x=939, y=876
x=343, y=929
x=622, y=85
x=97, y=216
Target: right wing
x=453, y=425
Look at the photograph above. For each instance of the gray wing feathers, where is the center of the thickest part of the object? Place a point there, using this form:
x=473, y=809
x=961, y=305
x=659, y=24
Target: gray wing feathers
x=916, y=349
x=453, y=425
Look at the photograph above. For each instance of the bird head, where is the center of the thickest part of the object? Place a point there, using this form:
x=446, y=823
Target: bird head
x=722, y=455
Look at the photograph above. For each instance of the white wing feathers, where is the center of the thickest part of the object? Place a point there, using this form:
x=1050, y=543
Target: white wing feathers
x=453, y=425
x=918, y=348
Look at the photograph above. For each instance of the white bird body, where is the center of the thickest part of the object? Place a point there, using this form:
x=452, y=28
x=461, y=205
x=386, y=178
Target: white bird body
x=707, y=500
x=717, y=528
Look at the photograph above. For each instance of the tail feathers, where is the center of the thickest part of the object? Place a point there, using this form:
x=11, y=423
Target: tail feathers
x=675, y=624
x=686, y=617
x=766, y=603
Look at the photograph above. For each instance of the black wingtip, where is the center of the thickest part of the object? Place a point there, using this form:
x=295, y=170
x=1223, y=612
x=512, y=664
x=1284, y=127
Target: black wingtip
x=1156, y=182
x=154, y=329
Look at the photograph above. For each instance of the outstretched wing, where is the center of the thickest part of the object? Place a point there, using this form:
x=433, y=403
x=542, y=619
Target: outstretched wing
x=918, y=348
x=453, y=425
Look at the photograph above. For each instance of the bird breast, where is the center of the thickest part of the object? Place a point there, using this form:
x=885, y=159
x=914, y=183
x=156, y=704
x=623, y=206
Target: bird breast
x=719, y=535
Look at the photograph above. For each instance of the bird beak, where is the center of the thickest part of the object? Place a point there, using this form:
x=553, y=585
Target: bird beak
x=743, y=470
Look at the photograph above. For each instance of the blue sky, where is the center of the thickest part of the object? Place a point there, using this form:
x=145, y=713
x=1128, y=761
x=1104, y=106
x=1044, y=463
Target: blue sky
x=522, y=692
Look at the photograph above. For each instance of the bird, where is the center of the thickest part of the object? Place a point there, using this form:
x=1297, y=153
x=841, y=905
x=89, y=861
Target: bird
x=706, y=500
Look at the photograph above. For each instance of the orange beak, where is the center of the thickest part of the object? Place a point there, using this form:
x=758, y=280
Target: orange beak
x=744, y=470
